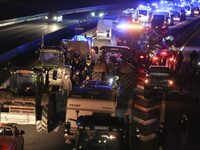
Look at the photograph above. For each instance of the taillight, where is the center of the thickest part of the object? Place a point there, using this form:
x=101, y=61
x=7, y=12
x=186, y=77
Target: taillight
x=155, y=58
x=170, y=82
x=163, y=53
x=141, y=57
x=146, y=81
x=171, y=59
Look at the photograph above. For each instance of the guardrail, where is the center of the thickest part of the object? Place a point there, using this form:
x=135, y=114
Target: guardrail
x=21, y=19
x=63, y=12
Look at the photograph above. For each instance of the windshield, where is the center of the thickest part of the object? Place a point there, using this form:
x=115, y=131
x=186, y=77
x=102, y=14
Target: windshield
x=51, y=59
x=5, y=131
x=142, y=12
x=100, y=140
x=159, y=17
x=24, y=83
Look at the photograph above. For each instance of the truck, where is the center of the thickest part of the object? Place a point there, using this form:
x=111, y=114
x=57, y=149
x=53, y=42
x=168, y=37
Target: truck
x=104, y=27
x=131, y=34
x=92, y=98
x=79, y=44
x=25, y=99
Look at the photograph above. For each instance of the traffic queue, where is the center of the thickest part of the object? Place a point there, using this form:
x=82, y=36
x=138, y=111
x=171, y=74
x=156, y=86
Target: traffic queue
x=99, y=75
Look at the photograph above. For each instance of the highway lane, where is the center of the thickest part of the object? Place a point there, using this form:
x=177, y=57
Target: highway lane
x=19, y=34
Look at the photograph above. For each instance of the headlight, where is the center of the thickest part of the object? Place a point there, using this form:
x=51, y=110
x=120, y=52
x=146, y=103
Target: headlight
x=46, y=17
x=101, y=14
x=55, y=18
x=93, y=14
x=111, y=80
x=198, y=63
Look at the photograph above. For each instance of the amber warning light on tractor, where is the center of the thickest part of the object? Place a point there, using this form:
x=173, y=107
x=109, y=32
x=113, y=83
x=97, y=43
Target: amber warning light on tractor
x=130, y=26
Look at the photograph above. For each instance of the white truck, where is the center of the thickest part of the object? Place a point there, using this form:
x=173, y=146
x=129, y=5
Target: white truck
x=80, y=45
x=92, y=98
x=104, y=27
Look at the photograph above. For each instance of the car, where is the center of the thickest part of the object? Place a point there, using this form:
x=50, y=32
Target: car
x=158, y=79
x=11, y=137
x=55, y=17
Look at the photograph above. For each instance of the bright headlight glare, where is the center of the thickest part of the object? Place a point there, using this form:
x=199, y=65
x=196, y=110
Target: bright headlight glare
x=55, y=18
x=111, y=80
x=93, y=14
x=101, y=14
x=46, y=17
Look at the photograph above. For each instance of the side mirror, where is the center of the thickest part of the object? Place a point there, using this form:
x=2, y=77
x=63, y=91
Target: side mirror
x=22, y=132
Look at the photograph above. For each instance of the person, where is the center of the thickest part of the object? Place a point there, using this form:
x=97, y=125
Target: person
x=184, y=130
x=193, y=57
x=66, y=86
x=76, y=78
x=179, y=60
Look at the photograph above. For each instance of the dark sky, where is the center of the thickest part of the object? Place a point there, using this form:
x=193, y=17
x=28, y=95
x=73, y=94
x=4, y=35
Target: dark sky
x=29, y=7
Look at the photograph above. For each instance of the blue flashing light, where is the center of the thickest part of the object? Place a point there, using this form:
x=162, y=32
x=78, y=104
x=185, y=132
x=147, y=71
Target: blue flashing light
x=79, y=38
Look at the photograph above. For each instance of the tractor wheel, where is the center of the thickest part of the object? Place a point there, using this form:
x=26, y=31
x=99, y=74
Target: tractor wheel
x=42, y=126
x=127, y=82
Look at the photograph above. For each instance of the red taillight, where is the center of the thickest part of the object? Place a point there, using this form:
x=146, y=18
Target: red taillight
x=92, y=50
x=170, y=82
x=141, y=57
x=171, y=59
x=146, y=81
x=163, y=54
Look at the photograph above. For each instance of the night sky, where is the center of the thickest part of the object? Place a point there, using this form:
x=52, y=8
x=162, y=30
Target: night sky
x=19, y=8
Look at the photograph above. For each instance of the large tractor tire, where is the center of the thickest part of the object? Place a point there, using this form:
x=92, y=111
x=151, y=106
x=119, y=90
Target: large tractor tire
x=42, y=125
x=127, y=83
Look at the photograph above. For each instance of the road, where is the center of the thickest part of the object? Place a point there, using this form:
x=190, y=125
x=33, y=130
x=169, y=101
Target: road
x=19, y=34
x=175, y=106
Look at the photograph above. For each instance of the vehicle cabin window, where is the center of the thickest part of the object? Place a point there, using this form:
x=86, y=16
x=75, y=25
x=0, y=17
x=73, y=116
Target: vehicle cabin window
x=159, y=17
x=8, y=131
x=160, y=70
x=143, y=12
